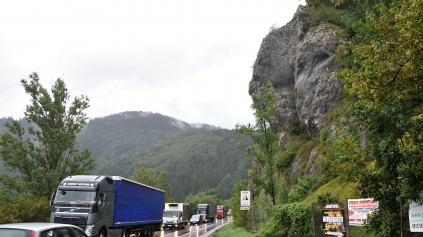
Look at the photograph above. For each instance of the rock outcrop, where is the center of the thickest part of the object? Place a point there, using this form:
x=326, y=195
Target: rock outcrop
x=299, y=61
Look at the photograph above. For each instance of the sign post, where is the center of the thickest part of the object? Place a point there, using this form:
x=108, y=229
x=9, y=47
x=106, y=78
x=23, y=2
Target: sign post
x=245, y=200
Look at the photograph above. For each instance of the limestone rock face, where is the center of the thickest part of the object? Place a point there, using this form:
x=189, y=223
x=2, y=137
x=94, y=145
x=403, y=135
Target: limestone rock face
x=299, y=61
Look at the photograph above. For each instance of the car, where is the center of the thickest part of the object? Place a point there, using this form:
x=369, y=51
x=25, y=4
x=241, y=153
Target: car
x=40, y=230
x=196, y=219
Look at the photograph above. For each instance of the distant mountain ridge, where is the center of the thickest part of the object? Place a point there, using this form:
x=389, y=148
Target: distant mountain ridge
x=123, y=141
x=197, y=156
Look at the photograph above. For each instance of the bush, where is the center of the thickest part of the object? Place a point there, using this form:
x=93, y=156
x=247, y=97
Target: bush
x=305, y=186
x=289, y=220
x=26, y=210
x=285, y=158
x=339, y=17
x=298, y=128
x=327, y=197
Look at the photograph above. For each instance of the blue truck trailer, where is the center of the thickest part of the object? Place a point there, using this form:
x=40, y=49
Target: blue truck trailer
x=108, y=206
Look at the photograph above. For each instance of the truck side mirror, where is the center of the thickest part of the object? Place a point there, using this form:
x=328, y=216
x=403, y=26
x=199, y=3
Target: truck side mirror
x=105, y=199
x=52, y=198
x=181, y=214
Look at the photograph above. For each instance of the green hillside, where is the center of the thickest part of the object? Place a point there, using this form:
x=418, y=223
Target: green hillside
x=196, y=160
x=114, y=135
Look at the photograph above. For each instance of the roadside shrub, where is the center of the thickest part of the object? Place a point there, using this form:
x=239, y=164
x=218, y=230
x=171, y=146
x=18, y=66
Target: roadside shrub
x=305, y=186
x=289, y=220
x=26, y=210
x=327, y=197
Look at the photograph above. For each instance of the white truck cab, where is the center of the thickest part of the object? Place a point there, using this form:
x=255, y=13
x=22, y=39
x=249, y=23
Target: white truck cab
x=175, y=215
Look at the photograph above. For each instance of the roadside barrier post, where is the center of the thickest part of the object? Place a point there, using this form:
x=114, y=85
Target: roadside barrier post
x=314, y=228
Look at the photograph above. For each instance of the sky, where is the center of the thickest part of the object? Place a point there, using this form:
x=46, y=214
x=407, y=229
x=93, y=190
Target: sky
x=190, y=60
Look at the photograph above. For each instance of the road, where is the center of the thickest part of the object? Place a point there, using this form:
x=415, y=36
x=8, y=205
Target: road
x=193, y=231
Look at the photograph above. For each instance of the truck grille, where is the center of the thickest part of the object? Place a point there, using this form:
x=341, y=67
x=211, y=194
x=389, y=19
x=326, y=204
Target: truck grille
x=77, y=221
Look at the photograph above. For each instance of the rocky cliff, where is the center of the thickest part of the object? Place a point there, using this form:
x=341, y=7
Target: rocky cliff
x=299, y=61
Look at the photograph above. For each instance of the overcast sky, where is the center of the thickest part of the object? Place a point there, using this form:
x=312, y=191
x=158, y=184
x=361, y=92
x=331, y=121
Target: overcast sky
x=190, y=60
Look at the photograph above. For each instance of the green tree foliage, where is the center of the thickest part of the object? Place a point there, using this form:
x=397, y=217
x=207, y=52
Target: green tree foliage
x=207, y=197
x=163, y=184
x=305, y=186
x=146, y=176
x=397, y=172
x=264, y=138
x=51, y=153
x=290, y=220
x=26, y=210
x=391, y=61
x=348, y=158
x=388, y=80
x=237, y=214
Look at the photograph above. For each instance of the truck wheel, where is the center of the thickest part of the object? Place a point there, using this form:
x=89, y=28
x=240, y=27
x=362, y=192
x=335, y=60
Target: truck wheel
x=150, y=230
x=102, y=233
x=144, y=233
x=125, y=232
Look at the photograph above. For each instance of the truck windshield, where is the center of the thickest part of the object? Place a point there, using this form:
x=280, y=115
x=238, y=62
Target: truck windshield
x=202, y=211
x=219, y=210
x=170, y=214
x=75, y=197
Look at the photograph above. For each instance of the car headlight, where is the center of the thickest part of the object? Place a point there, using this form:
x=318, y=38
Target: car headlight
x=89, y=230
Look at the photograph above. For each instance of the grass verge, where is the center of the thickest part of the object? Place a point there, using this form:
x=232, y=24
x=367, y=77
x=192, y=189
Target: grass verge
x=231, y=230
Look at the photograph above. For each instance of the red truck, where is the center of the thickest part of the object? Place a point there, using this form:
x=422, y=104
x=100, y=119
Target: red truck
x=221, y=212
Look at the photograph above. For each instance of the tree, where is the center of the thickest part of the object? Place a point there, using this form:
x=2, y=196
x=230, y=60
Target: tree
x=163, y=184
x=146, y=176
x=51, y=152
x=392, y=61
x=26, y=210
x=264, y=138
x=388, y=82
x=239, y=216
x=200, y=197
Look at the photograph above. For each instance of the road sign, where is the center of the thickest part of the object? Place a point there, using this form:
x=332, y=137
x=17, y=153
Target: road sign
x=244, y=208
x=245, y=198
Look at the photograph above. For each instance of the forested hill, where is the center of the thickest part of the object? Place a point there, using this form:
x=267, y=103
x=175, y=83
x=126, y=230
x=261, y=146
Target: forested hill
x=196, y=160
x=197, y=157
x=111, y=136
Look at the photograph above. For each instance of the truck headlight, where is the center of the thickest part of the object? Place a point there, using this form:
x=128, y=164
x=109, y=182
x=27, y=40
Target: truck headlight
x=89, y=230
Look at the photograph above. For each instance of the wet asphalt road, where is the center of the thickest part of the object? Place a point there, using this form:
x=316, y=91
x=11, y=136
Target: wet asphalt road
x=192, y=231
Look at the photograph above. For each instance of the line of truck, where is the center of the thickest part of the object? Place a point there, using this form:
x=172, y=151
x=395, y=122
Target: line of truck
x=112, y=206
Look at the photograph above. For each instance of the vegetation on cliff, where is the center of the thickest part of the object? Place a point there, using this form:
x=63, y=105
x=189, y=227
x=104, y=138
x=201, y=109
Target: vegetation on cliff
x=371, y=145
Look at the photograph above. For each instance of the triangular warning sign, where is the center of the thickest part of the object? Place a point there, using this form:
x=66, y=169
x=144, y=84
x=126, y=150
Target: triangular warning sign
x=245, y=198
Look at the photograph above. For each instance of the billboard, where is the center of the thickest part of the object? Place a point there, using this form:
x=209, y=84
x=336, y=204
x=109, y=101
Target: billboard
x=415, y=215
x=333, y=219
x=360, y=209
